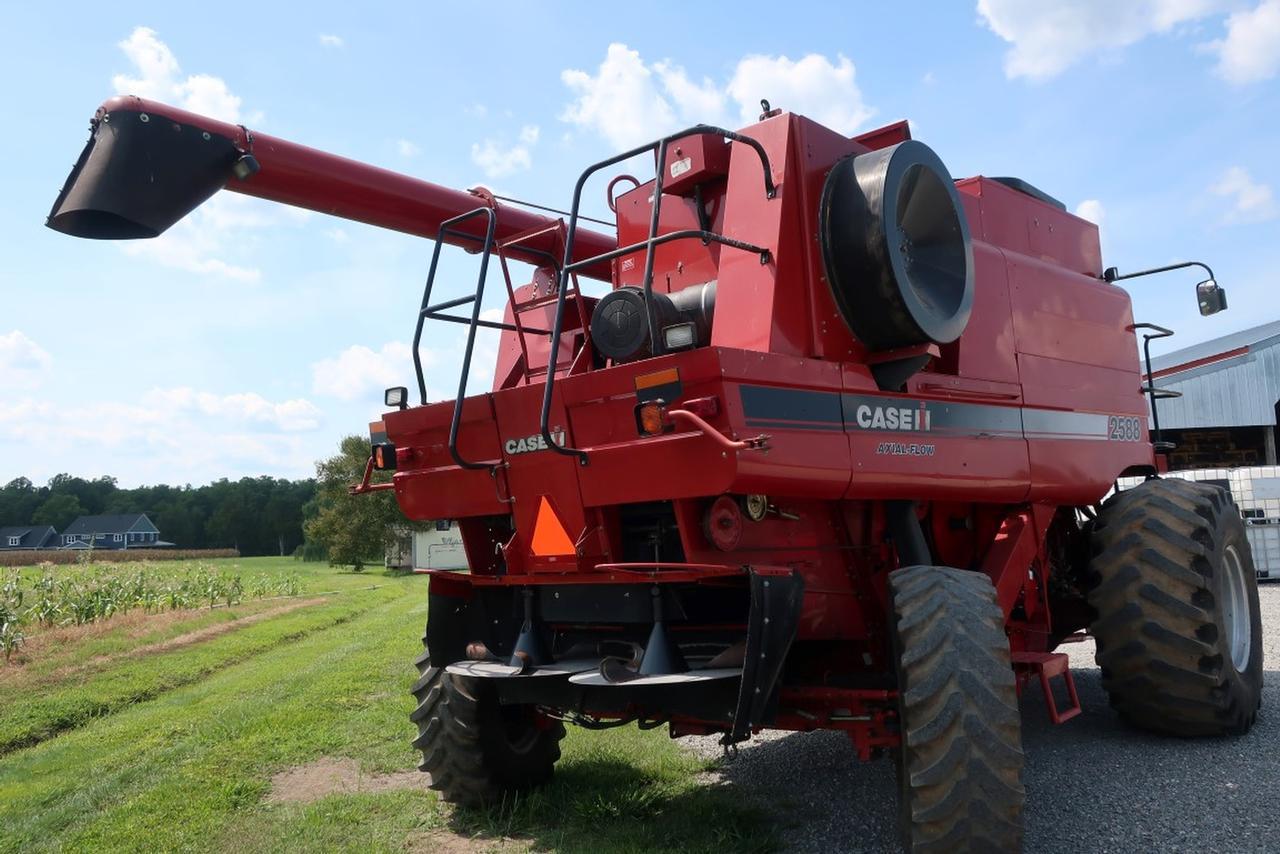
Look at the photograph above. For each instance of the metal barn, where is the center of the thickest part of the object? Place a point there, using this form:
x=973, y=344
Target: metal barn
x=1230, y=386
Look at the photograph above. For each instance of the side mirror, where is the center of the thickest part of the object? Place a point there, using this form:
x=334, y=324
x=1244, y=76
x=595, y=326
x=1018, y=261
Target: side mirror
x=1211, y=297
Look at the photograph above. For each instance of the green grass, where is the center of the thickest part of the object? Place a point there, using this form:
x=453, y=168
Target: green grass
x=176, y=750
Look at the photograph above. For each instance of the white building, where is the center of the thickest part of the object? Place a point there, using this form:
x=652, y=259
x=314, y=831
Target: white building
x=439, y=547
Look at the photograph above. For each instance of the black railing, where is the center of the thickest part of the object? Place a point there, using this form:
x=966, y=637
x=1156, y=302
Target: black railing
x=1149, y=388
x=434, y=312
x=570, y=267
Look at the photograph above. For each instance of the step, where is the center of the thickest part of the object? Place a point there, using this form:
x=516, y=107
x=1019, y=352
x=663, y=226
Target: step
x=1047, y=665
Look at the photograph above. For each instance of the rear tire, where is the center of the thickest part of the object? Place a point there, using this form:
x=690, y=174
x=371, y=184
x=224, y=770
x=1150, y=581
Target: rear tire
x=476, y=750
x=960, y=762
x=1178, y=626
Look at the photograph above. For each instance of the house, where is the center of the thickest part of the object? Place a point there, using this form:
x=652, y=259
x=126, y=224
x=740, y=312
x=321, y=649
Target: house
x=27, y=537
x=438, y=547
x=118, y=531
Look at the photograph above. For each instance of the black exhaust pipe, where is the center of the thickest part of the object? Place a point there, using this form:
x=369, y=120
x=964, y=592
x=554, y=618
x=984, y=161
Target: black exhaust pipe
x=140, y=173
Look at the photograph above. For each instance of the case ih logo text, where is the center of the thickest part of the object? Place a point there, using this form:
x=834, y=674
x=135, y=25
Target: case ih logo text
x=528, y=444
x=892, y=417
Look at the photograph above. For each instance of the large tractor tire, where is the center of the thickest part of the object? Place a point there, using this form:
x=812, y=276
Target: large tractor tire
x=960, y=763
x=476, y=750
x=1177, y=624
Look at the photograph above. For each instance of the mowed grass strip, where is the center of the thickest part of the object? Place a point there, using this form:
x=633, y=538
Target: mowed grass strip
x=30, y=715
x=51, y=652
x=190, y=769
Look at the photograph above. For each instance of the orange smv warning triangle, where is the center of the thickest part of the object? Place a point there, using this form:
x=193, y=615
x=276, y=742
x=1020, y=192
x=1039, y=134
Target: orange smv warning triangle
x=549, y=536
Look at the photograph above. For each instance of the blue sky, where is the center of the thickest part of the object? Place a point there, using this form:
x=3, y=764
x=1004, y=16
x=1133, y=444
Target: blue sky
x=249, y=338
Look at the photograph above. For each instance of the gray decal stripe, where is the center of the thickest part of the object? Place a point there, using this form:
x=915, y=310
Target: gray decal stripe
x=877, y=413
x=802, y=409
x=1049, y=423
x=790, y=404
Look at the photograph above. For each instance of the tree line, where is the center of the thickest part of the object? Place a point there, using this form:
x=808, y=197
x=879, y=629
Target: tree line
x=257, y=515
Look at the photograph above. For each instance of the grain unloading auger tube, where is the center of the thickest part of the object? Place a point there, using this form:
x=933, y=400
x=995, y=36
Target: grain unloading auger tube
x=146, y=165
x=834, y=452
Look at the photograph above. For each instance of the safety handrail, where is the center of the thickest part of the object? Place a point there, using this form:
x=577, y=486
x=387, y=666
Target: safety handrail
x=428, y=310
x=1153, y=394
x=569, y=266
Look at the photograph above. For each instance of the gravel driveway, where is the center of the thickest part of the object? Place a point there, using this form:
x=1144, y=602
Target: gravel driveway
x=1093, y=783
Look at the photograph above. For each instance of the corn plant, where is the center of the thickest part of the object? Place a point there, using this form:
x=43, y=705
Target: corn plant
x=98, y=592
x=46, y=607
x=11, y=637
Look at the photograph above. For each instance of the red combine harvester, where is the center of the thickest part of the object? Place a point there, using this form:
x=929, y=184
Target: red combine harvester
x=832, y=453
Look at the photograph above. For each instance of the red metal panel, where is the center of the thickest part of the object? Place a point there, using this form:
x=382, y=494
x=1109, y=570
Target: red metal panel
x=764, y=307
x=693, y=161
x=987, y=348
x=816, y=150
x=675, y=265
x=533, y=473
x=428, y=483
x=447, y=493
x=886, y=136
x=800, y=461
x=1062, y=315
x=989, y=469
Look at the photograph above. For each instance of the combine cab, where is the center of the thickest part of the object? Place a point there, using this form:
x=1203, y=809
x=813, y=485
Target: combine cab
x=831, y=453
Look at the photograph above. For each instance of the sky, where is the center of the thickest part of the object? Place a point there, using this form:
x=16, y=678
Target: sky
x=249, y=338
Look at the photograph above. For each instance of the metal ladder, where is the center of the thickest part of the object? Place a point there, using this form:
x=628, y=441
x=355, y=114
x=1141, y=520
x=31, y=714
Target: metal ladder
x=557, y=232
x=1149, y=388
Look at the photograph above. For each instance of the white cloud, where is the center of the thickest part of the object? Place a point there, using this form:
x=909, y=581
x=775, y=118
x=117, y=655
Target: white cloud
x=529, y=134
x=23, y=362
x=1251, y=50
x=629, y=102
x=694, y=101
x=359, y=371
x=1047, y=38
x=621, y=102
x=329, y=40
x=246, y=407
x=338, y=235
x=407, y=148
x=1092, y=210
x=497, y=160
x=165, y=436
x=159, y=77
x=811, y=85
x=477, y=111
x=194, y=244
x=1251, y=201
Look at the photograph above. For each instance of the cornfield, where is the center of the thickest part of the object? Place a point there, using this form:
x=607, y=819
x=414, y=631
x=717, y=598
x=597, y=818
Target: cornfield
x=70, y=556
x=86, y=596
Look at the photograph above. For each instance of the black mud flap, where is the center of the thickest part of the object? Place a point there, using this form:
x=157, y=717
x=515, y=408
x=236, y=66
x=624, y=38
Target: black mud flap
x=448, y=622
x=458, y=614
x=776, y=601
